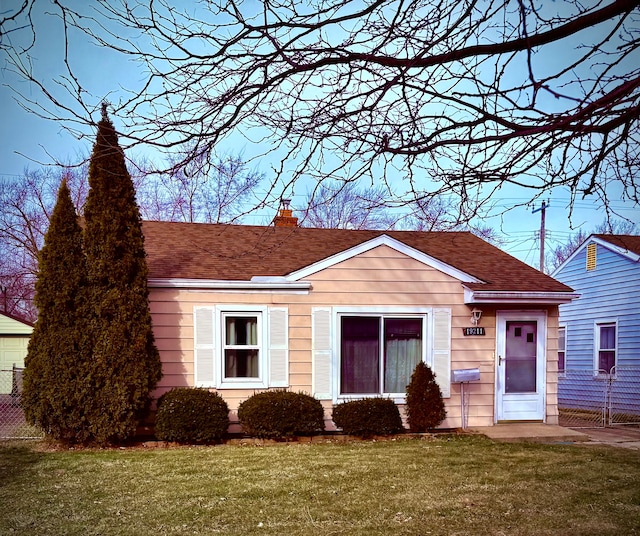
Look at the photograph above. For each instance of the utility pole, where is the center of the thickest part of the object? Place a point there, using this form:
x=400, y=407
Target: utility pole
x=542, y=210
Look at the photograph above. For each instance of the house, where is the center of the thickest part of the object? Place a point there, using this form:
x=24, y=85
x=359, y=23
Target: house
x=599, y=351
x=344, y=314
x=14, y=339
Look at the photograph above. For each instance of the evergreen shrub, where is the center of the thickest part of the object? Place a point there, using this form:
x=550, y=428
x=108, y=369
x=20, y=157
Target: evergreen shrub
x=191, y=415
x=55, y=383
x=368, y=417
x=425, y=406
x=124, y=366
x=280, y=413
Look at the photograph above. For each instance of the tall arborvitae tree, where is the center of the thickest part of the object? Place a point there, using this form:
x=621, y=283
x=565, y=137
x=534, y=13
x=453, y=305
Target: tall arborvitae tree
x=125, y=364
x=55, y=385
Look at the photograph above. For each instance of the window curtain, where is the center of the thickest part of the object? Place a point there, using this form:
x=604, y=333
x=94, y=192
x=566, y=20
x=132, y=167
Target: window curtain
x=403, y=351
x=242, y=331
x=241, y=363
x=401, y=359
x=360, y=355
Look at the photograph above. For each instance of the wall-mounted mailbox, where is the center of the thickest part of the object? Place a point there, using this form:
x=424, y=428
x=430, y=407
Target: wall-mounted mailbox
x=465, y=375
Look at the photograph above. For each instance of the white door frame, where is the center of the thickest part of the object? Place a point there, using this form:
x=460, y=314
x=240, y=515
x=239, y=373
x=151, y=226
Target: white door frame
x=521, y=406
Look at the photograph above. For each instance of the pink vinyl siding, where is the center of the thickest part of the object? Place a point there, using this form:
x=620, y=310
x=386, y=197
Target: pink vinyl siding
x=381, y=277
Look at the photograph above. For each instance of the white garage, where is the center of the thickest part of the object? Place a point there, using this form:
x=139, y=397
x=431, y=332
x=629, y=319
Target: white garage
x=14, y=339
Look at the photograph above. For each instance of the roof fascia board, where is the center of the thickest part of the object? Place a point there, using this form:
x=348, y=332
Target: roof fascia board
x=634, y=257
x=512, y=296
x=605, y=244
x=263, y=285
x=17, y=319
x=383, y=240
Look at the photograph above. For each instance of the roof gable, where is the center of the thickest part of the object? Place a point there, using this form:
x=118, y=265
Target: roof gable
x=237, y=253
x=383, y=240
x=627, y=246
x=12, y=325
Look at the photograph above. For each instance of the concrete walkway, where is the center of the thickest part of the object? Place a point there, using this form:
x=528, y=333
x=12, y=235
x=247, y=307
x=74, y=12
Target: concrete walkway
x=616, y=436
x=619, y=436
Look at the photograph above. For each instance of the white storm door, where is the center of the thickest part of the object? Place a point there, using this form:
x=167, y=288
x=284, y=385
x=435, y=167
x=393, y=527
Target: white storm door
x=521, y=366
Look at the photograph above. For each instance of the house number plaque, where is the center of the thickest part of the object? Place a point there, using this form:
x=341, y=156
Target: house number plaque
x=475, y=331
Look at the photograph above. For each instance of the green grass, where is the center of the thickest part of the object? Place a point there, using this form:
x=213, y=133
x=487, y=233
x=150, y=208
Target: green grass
x=447, y=485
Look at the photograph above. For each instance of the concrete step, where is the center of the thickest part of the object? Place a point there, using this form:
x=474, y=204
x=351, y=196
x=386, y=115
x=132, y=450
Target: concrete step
x=533, y=432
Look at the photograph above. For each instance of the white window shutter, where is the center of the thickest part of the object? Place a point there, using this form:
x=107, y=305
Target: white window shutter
x=321, y=352
x=442, y=349
x=278, y=347
x=204, y=347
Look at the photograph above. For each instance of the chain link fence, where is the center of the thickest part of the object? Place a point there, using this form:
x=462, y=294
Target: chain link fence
x=12, y=422
x=590, y=398
x=624, y=396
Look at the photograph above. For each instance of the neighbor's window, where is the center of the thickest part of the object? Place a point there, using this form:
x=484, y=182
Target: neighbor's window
x=606, y=346
x=241, y=347
x=378, y=354
x=562, y=348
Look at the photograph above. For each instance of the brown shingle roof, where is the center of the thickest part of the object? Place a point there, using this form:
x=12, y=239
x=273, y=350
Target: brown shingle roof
x=240, y=252
x=628, y=242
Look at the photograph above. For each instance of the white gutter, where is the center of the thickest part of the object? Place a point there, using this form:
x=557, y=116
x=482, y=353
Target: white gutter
x=512, y=296
x=259, y=284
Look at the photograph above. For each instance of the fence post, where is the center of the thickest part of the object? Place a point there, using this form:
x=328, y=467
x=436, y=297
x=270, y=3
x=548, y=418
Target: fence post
x=15, y=386
x=609, y=398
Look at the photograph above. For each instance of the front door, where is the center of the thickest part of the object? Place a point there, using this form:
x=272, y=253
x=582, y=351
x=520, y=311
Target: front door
x=521, y=366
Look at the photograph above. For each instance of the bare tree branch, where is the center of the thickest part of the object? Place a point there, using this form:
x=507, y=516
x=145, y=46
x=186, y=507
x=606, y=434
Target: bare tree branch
x=422, y=98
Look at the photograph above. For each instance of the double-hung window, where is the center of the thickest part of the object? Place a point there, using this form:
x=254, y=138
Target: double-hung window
x=378, y=353
x=241, y=345
x=606, y=343
x=562, y=349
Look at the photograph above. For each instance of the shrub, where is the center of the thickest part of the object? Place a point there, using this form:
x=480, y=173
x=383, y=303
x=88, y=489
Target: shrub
x=188, y=415
x=367, y=417
x=280, y=413
x=425, y=407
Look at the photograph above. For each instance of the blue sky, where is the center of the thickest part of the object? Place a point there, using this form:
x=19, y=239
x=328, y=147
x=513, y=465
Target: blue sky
x=27, y=141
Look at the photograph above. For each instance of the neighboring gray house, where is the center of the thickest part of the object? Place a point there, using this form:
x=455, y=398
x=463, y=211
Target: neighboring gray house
x=599, y=333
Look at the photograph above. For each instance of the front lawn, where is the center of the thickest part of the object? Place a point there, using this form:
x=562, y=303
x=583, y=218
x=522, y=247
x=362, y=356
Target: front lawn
x=446, y=485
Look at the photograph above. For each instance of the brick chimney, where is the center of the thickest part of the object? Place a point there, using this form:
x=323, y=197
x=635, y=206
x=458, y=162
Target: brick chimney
x=285, y=216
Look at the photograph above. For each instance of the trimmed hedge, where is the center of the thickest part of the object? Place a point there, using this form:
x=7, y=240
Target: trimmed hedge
x=280, y=413
x=191, y=415
x=425, y=406
x=368, y=417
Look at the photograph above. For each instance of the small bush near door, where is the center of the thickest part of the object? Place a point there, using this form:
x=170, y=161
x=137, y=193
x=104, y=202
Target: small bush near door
x=425, y=407
x=188, y=415
x=368, y=417
x=280, y=413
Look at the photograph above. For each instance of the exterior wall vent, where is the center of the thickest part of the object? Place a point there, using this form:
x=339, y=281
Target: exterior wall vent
x=591, y=256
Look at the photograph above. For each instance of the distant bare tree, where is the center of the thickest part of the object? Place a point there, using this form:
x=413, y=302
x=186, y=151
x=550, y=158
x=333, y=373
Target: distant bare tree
x=443, y=214
x=212, y=192
x=450, y=97
x=200, y=191
x=347, y=206
x=26, y=205
x=16, y=283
